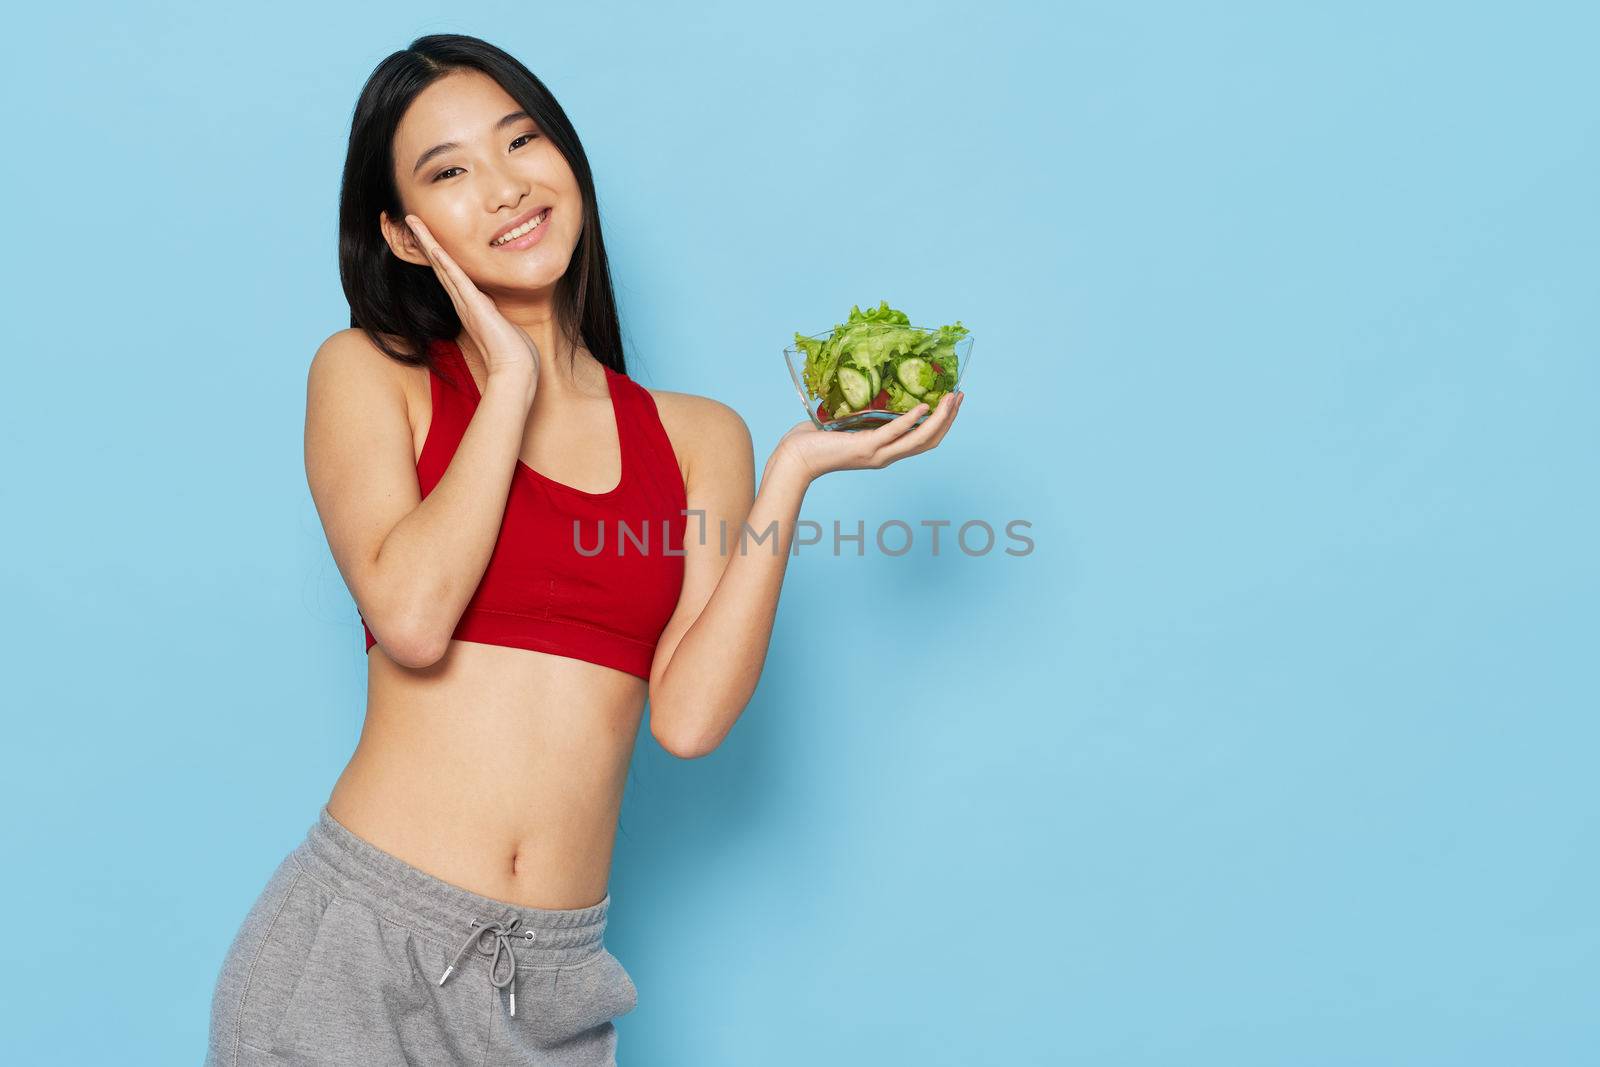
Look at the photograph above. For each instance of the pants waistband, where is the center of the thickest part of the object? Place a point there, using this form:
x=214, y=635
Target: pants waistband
x=354, y=867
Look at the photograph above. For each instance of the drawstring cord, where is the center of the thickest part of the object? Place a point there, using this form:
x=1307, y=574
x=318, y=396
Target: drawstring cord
x=502, y=932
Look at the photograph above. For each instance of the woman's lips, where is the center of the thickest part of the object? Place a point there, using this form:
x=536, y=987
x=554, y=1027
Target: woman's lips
x=528, y=240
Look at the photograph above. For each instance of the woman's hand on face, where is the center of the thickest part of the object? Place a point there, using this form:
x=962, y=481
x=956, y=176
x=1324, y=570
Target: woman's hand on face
x=504, y=344
x=816, y=452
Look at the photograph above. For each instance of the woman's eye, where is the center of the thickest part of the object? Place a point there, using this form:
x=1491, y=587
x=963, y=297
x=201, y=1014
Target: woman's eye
x=440, y=176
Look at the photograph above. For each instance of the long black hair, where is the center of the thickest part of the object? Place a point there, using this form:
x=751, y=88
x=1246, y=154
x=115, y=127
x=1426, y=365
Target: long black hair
x=401, y=306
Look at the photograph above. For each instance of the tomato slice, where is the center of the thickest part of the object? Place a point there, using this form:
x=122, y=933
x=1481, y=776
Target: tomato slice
x=881, y=401
x=822, y=411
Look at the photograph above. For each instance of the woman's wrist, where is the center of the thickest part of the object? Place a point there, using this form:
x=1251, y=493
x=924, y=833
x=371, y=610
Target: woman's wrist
x=514, y=381
x=785, y=470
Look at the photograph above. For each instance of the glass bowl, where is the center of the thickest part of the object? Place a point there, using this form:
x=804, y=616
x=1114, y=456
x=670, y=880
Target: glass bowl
x=866, y=418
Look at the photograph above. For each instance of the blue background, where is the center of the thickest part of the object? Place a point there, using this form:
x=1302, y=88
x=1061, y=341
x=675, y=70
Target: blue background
x=1279, y=747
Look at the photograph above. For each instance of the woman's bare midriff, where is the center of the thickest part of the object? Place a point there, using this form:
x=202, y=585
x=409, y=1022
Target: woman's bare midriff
x=499, y=770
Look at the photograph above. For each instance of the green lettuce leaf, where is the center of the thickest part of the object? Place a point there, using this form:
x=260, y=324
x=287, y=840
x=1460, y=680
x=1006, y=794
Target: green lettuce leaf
x=879, y=338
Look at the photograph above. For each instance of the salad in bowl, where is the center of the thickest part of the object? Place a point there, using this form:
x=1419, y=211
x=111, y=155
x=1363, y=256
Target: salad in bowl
x=874, y=367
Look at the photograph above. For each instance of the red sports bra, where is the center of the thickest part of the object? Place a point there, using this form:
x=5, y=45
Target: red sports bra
x=603, y=593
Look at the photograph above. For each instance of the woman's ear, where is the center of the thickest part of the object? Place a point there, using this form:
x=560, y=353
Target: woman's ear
x=402, y=240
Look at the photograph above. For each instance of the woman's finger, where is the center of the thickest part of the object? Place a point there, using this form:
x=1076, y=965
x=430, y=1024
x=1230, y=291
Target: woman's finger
x=925, y=436
x=451, y=269
x=426, y=243
x=443, y=265
x=936, y=419
x=956, y=400
x=891, y=431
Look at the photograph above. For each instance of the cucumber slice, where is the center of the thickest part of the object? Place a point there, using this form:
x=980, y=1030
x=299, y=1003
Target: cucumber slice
x=916, y=374
x=871, y=373
x=856, y=387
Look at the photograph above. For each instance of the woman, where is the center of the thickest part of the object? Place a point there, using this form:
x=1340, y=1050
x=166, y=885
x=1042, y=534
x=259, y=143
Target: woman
x=470, y=441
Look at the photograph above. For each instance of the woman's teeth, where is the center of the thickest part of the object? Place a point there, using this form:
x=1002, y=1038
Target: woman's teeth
x=525, y=229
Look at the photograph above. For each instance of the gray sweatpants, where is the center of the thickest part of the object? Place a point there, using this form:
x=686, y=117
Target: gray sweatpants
x=352, y=956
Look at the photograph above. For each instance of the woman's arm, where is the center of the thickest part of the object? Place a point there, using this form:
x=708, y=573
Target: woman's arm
x=710, y=655
x=411, y=563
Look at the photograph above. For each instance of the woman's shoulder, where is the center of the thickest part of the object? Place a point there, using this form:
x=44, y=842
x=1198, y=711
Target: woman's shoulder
x=350, y=363
x=354, y=351
x=354, y=343
x=690, y=405
x=697, y=417
x=700, y=428
x=349, y=352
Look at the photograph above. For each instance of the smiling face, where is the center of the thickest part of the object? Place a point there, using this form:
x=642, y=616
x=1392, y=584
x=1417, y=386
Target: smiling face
x=472, y=165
